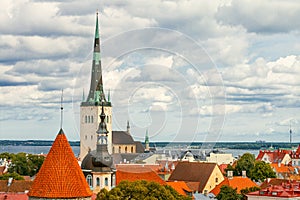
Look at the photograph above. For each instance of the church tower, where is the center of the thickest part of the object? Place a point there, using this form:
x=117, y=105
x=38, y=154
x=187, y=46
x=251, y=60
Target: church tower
x=90, y=108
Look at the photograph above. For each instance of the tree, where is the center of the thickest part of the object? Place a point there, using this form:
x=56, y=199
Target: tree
x=13, y=175
x=261, y=171
x=248, y=190
x=23, y=164
x=228, y=193
x=245, y=163
x=140, y=190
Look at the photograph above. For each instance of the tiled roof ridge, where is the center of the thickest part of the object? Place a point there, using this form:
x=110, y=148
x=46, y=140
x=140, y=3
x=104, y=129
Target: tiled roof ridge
x=60, y=175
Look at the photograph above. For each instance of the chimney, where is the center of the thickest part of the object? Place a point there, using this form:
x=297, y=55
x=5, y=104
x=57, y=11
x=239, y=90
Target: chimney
x=244, y=174
x=279, y=163
x=10, y=179
x=230, y=174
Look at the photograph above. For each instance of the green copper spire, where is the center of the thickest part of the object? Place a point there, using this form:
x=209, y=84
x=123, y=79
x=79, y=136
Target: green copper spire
x=96, y=93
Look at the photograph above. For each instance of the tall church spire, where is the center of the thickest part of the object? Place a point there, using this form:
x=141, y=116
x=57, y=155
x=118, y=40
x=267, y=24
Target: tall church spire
x=96, y=93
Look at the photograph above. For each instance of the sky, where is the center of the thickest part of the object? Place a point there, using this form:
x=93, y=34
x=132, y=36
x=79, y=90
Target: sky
x=185, y=70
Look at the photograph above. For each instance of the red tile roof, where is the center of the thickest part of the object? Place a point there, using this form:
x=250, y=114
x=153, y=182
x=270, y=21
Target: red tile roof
x=235, y=182
x=60, y=175
x=180, y=186
x=134, y=176
x=17, y=186
x=273, y=156
x=13, y=196
x=287, y=190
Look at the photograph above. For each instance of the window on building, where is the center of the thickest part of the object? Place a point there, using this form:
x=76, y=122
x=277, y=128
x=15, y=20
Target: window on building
x=85, y=137
x=131, y=149
x=91, y=137
x=119, y=149
x=113, y=150
x=217, y=179
x=89, y=119
x=106, y=181
x=85, y=119
x=92, y=119
x=125, y=149
x=98, y=181
x=89, y=180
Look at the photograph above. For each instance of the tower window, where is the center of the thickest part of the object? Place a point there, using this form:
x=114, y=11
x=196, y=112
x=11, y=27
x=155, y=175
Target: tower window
x=119, y=149
x=92, y=119
x=98, y=181
x=85, y=137
x=89, y=180
x=85, y=119
x=91, y=137
x=106, y=181
x=131, y=149
x=125, y=149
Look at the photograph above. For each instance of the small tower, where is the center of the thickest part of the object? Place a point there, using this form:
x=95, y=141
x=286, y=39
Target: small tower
x=97, y=164
x=147, y=146
x=128, y=127
x=60, y=176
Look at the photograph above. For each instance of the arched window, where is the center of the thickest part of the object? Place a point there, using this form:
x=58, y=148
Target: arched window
x=89, y=180
x=125, y=149
x=85, y=137
x=98, y=181
x=91, y=137
x=85, y=119
x=89, y=119
x=92, y=119
x=131, y=149
x=106, y=181
x=119, y=149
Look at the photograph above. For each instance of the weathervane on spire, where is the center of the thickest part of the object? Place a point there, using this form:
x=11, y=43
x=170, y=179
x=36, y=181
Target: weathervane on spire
x=61, y=108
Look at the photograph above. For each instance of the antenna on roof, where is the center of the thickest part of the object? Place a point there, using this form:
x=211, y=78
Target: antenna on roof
x=61, y=108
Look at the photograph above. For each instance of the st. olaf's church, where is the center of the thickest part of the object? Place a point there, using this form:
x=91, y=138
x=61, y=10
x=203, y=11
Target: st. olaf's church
x=99, y=144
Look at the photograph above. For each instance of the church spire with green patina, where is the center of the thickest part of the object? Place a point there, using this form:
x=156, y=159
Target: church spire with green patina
x=96, y=93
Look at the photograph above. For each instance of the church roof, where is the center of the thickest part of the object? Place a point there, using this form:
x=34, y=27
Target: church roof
x=122, y=137
x=60, y=175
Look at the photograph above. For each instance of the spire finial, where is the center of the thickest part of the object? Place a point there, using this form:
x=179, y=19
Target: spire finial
x=61, y=108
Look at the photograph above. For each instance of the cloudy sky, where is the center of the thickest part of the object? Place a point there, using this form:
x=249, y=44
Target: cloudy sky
x=186, y=70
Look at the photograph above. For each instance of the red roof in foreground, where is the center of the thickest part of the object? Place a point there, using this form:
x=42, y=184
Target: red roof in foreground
x=13, y=196
x=237, y=182
x=181, y=187
x=60, y=175
x=134, y=176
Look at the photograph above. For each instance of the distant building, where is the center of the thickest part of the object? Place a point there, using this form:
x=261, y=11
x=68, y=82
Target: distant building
x=199, y=176
x=284, y=190
x=220, y=158
x=14, y=189
x=276, y=156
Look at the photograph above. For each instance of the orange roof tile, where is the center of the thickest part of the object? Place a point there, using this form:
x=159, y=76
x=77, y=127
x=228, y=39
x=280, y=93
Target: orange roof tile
x=132, y=176
x=17, y=186
x=180, y=186
x=60, y=175
x=282, y=168
x=235, y=182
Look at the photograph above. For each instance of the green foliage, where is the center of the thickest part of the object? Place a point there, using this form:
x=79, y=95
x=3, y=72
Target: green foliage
x=24, y=164
x=261, y=171
x=13, y=175
x=140, y=190
x=248, y=190
x=228, y=193
x=245, y=163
